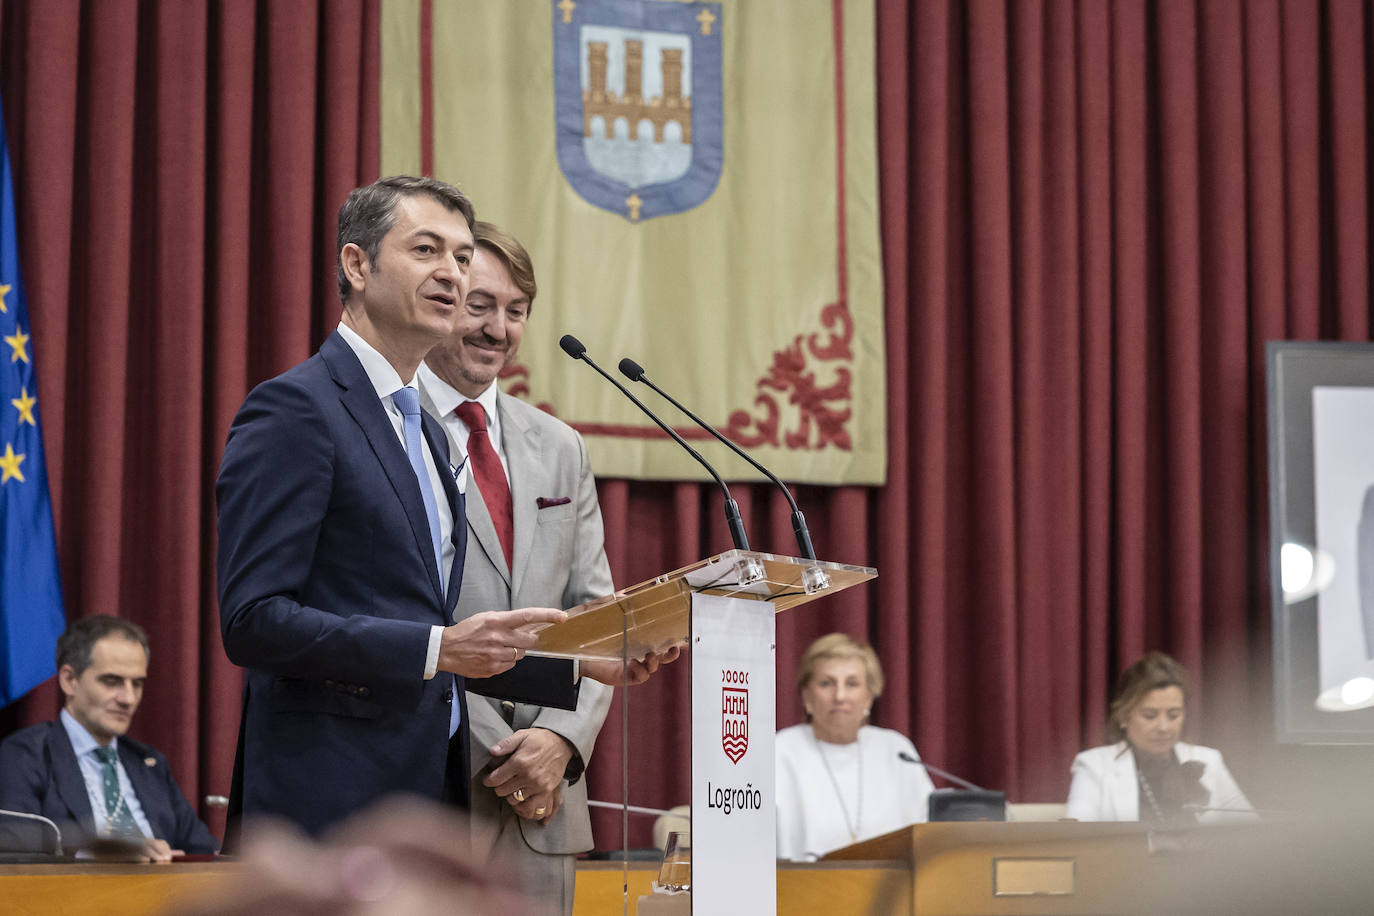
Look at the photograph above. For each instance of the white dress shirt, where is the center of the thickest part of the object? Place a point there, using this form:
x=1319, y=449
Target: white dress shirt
x=385, y=379
x=446, y=399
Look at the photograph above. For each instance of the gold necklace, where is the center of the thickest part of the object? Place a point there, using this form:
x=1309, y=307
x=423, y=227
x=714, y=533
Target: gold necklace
x=114, y=815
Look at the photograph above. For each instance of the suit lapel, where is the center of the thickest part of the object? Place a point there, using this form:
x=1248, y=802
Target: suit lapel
x=472, y=509
x=71, y=785
x=434, y=438
x=483, y=529
x=150, y=798
x=524, y=456
x=360, y=400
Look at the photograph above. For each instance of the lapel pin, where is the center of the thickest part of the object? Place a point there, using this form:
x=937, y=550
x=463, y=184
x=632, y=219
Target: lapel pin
x=150, y=761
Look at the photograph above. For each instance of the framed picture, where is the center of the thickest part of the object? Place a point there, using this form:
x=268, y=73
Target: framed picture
x=1321, y=510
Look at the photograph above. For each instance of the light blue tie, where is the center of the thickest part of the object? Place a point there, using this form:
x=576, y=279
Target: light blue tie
x=409, y=403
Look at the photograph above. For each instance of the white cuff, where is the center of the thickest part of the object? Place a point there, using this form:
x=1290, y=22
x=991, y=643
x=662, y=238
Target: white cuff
x=436, y=637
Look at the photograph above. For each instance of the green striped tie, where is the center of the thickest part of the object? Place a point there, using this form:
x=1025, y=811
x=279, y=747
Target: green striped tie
x=118, y=819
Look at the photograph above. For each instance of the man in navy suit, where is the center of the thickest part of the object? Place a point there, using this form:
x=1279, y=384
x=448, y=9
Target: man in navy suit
x=57, y=769
x=337, y=581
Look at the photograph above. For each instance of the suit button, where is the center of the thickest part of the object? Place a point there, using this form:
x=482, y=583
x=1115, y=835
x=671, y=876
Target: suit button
x=448, y=696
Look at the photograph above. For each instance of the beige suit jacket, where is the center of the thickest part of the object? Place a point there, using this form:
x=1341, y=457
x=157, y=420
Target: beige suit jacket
x=560, y=561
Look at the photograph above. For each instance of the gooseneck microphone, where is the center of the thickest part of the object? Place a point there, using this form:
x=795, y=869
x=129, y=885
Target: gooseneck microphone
x=56, y=833
x=962, y=783
x=574, y=348
x=635, y=373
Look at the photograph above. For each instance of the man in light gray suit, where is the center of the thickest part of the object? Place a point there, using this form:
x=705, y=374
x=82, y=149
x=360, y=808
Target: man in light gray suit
x=534, y=539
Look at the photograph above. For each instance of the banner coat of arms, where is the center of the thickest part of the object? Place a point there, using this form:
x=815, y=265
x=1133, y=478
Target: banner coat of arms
x=696, y=183
x=638, y=104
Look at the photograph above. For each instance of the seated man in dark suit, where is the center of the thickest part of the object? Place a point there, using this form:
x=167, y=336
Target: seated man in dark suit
x=81, y=771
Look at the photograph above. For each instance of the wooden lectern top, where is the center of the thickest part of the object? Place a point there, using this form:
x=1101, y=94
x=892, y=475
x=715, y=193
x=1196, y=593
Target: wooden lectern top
x=653, y=615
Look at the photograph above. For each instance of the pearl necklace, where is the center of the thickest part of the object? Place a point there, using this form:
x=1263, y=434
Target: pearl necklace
x=835, y=783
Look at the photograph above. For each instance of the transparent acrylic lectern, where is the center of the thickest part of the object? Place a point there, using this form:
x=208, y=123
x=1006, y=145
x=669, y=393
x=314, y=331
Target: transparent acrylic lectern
x=655, y=615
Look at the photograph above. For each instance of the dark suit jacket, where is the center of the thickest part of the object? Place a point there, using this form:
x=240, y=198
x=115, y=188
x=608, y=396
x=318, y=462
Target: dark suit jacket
x=39, y=774
x=328, y=589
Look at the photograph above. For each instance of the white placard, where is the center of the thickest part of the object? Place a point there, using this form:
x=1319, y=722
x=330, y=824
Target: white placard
x=734, y=826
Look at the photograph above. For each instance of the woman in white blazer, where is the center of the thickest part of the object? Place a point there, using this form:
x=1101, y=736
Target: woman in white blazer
x=1148, y=774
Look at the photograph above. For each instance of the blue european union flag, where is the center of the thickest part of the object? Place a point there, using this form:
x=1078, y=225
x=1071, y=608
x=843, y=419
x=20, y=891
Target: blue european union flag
x=31, y=616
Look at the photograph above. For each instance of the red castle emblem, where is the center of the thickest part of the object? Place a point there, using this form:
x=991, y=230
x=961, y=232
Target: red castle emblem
x=734, y=722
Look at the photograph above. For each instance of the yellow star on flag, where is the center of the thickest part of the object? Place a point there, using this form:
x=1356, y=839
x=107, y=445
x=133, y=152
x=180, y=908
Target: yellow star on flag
x=9, y=465
x=4, y=288
x=18, y=341
x=25, y=405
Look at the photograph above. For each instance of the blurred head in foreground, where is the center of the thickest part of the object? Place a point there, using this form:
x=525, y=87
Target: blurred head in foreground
x=403, y=856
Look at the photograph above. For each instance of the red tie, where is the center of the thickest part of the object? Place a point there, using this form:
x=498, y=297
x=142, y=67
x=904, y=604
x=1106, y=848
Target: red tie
x=491, y=478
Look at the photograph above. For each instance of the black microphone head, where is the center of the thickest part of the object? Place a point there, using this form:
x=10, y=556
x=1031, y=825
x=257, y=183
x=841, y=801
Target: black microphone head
x=572, y=346
x=631, y=370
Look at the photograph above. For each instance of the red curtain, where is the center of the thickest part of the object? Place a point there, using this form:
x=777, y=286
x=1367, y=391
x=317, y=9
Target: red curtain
x=177, y=168
x=1094, y=214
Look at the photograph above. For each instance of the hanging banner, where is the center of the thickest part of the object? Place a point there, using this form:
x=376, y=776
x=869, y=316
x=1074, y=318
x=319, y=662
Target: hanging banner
x=697, y=185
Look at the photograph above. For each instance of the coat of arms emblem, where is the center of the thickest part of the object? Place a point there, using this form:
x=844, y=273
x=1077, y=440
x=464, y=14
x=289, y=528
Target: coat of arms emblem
x=637, y=87
x=734, y=722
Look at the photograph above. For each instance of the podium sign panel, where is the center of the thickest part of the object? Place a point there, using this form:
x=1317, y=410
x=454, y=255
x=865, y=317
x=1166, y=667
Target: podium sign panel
x=734, y=715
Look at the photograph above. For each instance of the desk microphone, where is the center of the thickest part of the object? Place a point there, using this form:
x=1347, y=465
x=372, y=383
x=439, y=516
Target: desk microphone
x=574, y=348
x=974, y=803
x=635, y=373
x=963, y=783
x=57, y=834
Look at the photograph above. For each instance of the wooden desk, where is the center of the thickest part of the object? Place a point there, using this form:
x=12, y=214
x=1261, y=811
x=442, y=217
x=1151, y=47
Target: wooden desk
x=993, y=868
x=103, y=890
x=804, y=889
x=139, y=890
x=946, y=869
x=1037, y=869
